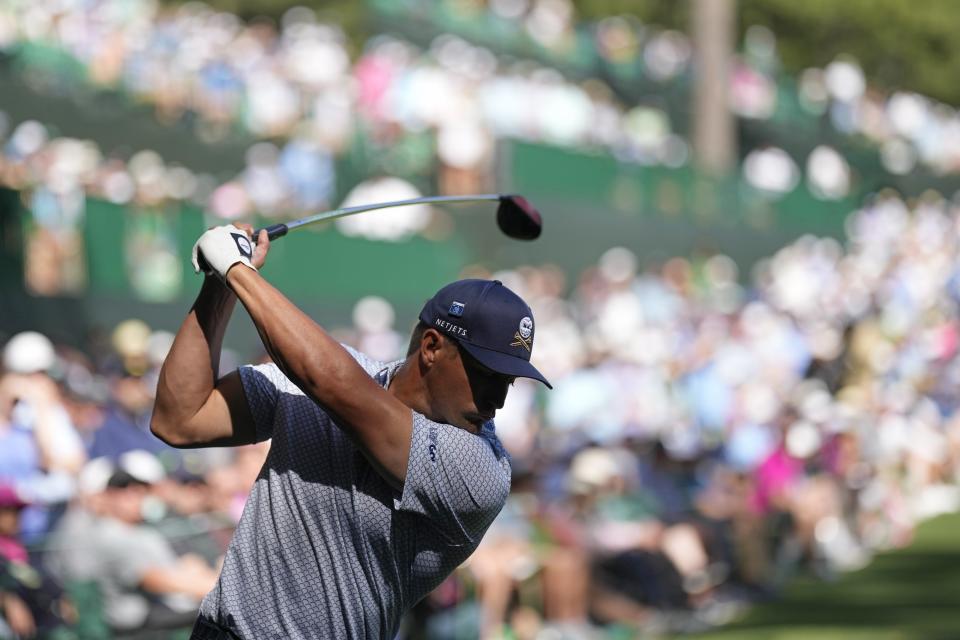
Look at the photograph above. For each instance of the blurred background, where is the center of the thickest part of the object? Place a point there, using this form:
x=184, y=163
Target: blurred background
x=746, y=292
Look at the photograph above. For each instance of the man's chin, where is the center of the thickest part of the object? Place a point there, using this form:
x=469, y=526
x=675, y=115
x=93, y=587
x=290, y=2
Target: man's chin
x=473, y=426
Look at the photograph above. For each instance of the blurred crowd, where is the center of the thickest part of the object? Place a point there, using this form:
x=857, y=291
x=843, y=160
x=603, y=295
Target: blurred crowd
x=704, y=442
x=104, y=530
x=295, y=87
x=649, y=65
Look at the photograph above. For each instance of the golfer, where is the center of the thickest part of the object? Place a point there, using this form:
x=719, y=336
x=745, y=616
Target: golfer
x=381, y=478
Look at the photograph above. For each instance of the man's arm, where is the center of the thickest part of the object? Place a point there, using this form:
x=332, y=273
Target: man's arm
x=192, y=407
x=190, y=576
x=379, y=423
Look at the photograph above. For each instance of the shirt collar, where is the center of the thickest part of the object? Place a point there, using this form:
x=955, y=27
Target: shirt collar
x=385, y=376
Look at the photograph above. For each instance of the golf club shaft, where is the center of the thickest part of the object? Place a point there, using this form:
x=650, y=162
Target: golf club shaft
x=281, y=229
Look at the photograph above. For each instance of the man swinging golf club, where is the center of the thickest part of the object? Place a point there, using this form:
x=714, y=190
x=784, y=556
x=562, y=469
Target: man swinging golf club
x=381, y=478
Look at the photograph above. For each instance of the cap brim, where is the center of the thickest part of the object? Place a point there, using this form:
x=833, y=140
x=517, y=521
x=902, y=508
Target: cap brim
x=504, y=364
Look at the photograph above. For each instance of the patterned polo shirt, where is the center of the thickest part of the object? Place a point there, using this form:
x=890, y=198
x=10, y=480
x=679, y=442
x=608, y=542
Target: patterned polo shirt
x=326, y=548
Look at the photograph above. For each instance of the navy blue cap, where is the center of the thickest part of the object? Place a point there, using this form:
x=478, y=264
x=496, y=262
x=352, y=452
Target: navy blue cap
x=492, y=323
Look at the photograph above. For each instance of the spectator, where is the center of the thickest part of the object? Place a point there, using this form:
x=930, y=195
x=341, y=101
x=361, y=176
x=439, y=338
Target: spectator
x=39, y=447
x=103, y=539
x=32, y=605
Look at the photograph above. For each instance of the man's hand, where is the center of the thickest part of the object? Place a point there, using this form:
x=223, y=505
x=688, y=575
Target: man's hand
x=18, y=616
x=261, y=247
x=35, y=389
x=219, y=248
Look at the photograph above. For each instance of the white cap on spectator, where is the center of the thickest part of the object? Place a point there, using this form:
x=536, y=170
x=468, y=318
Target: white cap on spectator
x=131, y=337
x=28, y=352
x=143, y=466
x=94, y=476
x=592, y=468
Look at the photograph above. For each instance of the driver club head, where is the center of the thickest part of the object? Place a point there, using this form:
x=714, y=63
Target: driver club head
x=518, y=219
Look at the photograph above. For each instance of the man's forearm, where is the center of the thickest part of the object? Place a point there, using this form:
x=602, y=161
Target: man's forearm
x=191, y=368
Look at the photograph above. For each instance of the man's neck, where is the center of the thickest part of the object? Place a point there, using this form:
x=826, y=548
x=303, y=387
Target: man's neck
x=407, y=386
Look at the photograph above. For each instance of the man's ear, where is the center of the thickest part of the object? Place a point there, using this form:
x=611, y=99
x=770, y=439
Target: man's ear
x=431, y=344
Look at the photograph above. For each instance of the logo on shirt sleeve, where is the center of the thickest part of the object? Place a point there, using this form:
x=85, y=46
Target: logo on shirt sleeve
x=432, y=447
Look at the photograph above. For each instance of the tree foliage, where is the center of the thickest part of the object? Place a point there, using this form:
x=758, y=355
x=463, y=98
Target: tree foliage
x=902, y=44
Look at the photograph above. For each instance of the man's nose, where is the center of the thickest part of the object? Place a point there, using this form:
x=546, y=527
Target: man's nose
x=498, y=393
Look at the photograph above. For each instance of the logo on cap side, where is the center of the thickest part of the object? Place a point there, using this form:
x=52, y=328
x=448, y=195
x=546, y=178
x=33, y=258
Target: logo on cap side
x=523, y=336
x=456, y=309
x=526, y=327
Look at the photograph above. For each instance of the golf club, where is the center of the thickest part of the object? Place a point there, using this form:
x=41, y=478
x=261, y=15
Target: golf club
x=516, y=217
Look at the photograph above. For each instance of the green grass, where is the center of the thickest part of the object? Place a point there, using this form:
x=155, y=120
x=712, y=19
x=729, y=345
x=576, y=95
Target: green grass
x=910, y=594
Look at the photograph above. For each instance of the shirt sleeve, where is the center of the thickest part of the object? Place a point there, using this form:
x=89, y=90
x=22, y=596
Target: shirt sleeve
x=456, y=479
x=369, y=365
x=139, y=551
x=66, y=441
x=263, y=385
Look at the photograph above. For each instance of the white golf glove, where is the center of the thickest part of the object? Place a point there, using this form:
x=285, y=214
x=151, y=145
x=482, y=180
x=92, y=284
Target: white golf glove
x=221, y=248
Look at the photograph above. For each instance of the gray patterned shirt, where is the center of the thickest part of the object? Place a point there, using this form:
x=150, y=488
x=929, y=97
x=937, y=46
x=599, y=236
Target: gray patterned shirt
x=325, y=547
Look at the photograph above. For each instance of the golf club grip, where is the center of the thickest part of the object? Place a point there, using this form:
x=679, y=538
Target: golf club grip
x=274, y=231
